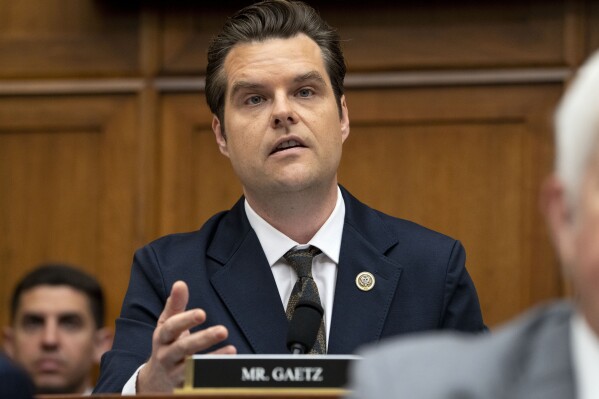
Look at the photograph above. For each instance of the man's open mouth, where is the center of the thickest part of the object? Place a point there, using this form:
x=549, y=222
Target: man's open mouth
x=285, y=145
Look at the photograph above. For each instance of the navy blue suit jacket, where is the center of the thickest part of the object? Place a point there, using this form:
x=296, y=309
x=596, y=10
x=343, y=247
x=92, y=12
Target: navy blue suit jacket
x=421, y=284
x=14, y=382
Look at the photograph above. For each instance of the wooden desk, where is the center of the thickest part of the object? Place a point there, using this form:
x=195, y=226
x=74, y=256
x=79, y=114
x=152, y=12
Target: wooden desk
x=248, y=394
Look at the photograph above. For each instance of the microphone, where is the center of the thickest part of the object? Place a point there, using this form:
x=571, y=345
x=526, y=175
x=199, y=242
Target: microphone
x=303, y=327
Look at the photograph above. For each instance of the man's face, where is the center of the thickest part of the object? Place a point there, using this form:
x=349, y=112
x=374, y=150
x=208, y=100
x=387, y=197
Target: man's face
x=54, y=338
x=283, y=128
x=578, y=244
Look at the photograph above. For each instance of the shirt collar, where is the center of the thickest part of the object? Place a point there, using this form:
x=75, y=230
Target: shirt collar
x=275, y=244
x=585, y=351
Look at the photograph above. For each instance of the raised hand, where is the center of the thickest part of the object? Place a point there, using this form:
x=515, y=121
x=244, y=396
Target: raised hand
x=172, y=343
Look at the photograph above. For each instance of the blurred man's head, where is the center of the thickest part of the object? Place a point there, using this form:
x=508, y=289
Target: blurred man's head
x=571, y=196
x=57, y=329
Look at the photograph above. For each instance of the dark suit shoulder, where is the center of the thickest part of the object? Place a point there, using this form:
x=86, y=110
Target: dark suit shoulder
x=14, y=383
x=406, y=229
x=218, y=238
x=183, y=239
x=386, y=231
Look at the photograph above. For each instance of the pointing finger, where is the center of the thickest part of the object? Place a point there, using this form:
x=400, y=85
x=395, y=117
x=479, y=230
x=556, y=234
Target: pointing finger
x=176, y=302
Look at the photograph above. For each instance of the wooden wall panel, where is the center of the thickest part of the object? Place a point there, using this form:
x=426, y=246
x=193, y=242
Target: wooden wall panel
x=58, y=38
x=67, y=178
x=401, y=35
x=466, y=103
x=196, y=180
x=473, y=173
x=186, y=36
x=432, y=34
x=461, y=178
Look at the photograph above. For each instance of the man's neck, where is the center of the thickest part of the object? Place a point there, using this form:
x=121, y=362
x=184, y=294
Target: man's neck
x=298, y=215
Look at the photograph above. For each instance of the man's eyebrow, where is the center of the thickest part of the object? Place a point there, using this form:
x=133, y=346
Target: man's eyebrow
x=32, y=315
x=67, y=315
x=245, y=85
x=242, y=84
x=312, y=75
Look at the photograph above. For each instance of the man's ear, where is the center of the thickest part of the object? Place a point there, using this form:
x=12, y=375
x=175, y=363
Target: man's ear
x=559, y=214
x=8, y=341
x=344, y=119
x=103, y=342
x=220, y=136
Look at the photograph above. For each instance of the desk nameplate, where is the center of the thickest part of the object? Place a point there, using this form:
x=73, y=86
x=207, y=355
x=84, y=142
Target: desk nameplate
x=318, y=373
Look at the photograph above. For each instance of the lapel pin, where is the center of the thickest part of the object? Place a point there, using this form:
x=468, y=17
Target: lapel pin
x=365, y=281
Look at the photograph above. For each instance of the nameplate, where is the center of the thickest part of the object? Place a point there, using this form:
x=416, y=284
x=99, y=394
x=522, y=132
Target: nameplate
x=209, y=372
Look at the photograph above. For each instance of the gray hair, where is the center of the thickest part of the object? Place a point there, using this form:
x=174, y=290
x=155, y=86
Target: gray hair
x=577, y=128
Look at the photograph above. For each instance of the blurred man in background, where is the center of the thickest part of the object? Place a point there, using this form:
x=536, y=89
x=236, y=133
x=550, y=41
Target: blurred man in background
x=57, y=331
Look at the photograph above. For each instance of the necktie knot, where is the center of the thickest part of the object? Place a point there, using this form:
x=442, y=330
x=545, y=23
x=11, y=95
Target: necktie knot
x=301, y=260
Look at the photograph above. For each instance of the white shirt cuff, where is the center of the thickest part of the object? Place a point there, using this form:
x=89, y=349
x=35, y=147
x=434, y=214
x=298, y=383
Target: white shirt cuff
x=130, y=387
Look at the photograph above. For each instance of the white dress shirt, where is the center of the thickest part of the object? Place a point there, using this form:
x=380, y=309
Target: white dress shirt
x=585, y=358
x=324, y=266
x=275, y=244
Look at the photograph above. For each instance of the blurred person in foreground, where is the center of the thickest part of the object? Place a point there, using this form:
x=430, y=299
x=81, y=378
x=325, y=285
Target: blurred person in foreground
x=57, y=331
x=553, y=350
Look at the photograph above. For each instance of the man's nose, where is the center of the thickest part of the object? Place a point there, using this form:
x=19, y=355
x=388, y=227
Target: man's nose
x=283, y=113
x=50, y=335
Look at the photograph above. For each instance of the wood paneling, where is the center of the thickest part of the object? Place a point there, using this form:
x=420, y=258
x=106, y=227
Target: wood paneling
x=472, y=172
x=67, y=178
x=105, y=139
x=467, y=34
x=186, y=36
x=402, y=35
x=196, y=180
x=57, y=38
x=250, y=394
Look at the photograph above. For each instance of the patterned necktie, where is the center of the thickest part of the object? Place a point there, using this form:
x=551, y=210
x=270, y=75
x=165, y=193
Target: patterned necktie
x=305, y=288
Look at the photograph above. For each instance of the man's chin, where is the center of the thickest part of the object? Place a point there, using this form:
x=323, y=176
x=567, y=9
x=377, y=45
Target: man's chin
x=50, y=390
x=53, y=386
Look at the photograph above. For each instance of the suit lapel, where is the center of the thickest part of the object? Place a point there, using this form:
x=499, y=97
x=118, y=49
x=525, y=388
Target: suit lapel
x=359, y=316
x=246, y=285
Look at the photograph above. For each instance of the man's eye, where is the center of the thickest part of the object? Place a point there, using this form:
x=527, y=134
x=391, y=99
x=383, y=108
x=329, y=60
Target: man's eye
x=71, y=323
x=32, y=323
x=254, y=100
x=305, y=93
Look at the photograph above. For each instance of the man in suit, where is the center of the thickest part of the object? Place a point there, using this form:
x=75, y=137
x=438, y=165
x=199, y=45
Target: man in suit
x=57, y=332
x=14, y=382
x=552, y=351
x=275, y=86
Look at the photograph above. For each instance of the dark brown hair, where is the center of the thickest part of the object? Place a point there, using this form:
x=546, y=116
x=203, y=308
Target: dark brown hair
x=267, y=20
x=61, y=274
